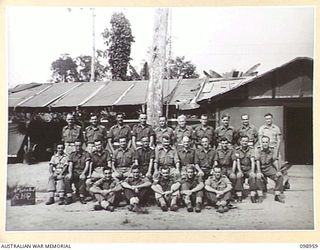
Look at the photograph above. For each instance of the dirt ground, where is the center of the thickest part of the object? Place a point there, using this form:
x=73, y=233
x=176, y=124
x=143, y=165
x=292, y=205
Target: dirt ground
x=296, y=214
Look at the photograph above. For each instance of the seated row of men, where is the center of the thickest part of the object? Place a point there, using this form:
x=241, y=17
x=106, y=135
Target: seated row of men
x=87, y=172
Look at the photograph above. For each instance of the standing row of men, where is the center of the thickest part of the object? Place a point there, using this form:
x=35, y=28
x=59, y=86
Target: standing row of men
x=175, y=162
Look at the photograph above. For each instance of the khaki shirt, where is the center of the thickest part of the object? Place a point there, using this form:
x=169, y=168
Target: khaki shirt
x=245, y=156
x=220, y=184
x=205, y=159
x=144, y=155
x=123, y=158
x=165, y=183
x=58, y=162
x=71, y=134
x=160, y=132
x=166, y=157
x=79, y=160
x=140, y=131
x=117, y=132
x=179, y=133
x=186, y=156
x=249, y=131
x=105, y=184
x=201, y=132
x=95, y=133
x=224, y=157
x=100, y=159
x=135, y=182
x=222, y=131
x=272, y=132
x=266, y=156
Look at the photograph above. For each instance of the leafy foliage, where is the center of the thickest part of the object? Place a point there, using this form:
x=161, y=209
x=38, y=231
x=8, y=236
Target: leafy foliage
x=119, y=39
x=179, y=67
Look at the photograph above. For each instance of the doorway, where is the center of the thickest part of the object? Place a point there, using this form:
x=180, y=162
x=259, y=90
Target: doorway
x=298, y=134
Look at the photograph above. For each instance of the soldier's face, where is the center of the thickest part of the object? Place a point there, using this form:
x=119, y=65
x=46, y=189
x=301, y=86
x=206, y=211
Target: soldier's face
x=204, y=120
x=190, y=173
x=225, y=121
x=108, y=174
x=245, y=120
x=145, y=142
x=60, y=149
x=120, y=119
x=268, y=120
x=165, y=173
x=70, y=120
x=265, y=143
x=205, y=142
x=186, y=143
x=244, y=142
x=135, y=173
x=94, y=120
x=143, y=119
x=162, y=122
x=224, y=144
x=217, y=173
x=182, y=122
x=123, y=143
x=165, y=143
x=98, y=146
x=78, y=146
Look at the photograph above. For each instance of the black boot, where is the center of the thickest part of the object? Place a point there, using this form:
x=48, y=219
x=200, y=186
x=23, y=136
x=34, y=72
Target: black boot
x=50, y=201
x=68, y=201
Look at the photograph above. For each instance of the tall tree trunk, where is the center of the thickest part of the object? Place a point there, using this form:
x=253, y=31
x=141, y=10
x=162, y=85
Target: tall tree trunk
x=157, y=66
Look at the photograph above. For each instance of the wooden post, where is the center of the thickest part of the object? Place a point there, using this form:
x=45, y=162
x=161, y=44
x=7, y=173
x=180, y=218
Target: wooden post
x=157, y=66
x=93, y=59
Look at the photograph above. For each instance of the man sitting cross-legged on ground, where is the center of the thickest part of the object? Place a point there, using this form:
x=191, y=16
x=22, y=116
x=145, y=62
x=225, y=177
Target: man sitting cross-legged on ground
x=268, y=167
x=166, y=188
x=218, y=190
x=136, y=189
x=107, y=191
x=191, y=189
x=57, y=166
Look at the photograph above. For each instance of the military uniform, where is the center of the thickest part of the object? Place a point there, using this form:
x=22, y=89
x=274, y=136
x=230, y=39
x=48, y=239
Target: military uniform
x=167, y=158
x=244, y=156
x=221, y=132
x=186, y=157
x=143, y=156
x=224, y=160
x=219, y=185
x=201, y=132
x=56, y=181
x=69, y=136
x=116, y=132
x=249, y=131
x=165, y=184
x=160, y=132
x=179, y=133
x=205, y=160
x=112, y=198
x=272, y=132
x=78, y=160
x=142, y=193
x=188, y=184
x=139, y=131
x=99, y=161
x=267, y=158
x=123, y=160
x=92, y=134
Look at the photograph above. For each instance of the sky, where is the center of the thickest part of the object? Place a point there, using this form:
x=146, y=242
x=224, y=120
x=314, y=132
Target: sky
x=217, y=38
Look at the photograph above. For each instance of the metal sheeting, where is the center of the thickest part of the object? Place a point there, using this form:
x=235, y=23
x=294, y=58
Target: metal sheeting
x=136, y=95
x=186, y=90
x=15, y=98
x=218, y=86
x=109, y=94
x=79, y=95
x=49, y=95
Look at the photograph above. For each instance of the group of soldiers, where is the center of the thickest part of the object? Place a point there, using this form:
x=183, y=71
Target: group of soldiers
x=181, y=166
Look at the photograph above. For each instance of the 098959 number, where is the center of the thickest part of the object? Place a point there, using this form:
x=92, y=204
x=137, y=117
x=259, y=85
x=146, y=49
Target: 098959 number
x=308, y=245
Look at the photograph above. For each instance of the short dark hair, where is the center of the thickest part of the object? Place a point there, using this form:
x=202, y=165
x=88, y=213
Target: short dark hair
x=244, y=136
x=225, y=116
x=97, y=140
x=77, y=140
x=135, y=167
x=119, y=113
x=265, y=137
x=107, y=169
x=204, y=115
x=60, y=143
x=268, y=114
x=224, y=139
x=123, y=137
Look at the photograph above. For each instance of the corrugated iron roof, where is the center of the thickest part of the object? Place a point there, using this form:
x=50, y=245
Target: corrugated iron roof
x=79, y=95
x=15, y=98
x=49, y=95
x=109, y=94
